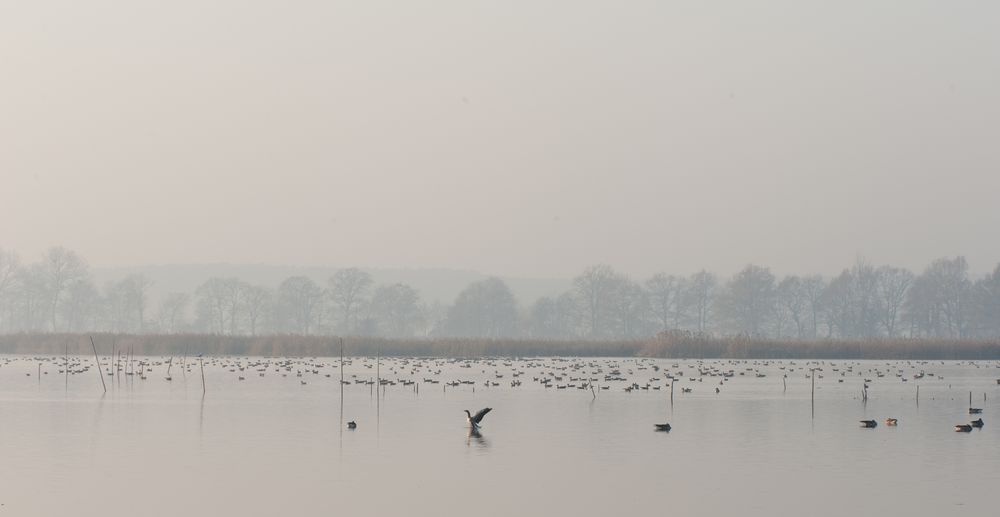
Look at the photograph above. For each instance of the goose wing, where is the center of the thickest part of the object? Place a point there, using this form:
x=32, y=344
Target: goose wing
x=478, y=417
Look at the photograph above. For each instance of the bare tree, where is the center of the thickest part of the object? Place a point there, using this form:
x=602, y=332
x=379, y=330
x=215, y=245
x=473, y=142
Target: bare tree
x=256, y=303
x=986, y=294
x=61, y=267
x=554, y=317
x=10, y=264
x=892, y=286
x=665, y=293
x=483, y=309
x=299, y=300
x=348, y=290
x=234, y=290
x=594, y=289
x=749, y=300
x=172, y=310
x=213, y=302
x=813, y=287
x=629, y=306
x=699, y=297
x=793, y=301
x=395, y=309
x=851, y=301
x=79, y=307
x=135, y=290
x=938, y=303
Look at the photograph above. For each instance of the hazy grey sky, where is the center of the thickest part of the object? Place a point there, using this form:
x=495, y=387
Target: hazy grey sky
x=520, y=138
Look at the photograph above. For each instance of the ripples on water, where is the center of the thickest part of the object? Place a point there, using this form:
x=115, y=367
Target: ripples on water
x=278, y=445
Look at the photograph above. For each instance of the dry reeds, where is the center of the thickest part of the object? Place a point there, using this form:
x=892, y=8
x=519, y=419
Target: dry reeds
x=667, y=345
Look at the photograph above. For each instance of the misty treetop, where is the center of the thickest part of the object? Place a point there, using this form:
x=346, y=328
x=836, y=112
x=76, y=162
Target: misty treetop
x=56, y=293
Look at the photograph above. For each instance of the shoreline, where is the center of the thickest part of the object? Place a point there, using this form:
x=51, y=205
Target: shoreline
x=667, y=346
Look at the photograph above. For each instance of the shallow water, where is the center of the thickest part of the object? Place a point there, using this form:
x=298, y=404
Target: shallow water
x=272, y=445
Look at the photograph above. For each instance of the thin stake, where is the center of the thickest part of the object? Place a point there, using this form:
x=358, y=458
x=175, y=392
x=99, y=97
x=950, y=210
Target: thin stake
x=341, y=387
x=812, y=397
x=378, y=380
x=98, y=359
x=202, y=364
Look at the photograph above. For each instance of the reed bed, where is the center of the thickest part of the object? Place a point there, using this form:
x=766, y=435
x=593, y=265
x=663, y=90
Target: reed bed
x=681, y=345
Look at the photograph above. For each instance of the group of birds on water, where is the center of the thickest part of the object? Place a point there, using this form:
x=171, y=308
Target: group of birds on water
x=960, y=428
x=631, y=375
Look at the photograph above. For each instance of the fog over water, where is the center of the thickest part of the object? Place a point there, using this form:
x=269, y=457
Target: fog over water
x=524, y=139
x=258, y=258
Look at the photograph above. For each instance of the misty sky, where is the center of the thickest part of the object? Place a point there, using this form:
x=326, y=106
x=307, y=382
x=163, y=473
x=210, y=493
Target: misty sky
x=517, y=138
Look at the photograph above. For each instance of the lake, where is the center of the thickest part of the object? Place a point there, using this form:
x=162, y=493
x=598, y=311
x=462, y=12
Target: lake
x=278, y=444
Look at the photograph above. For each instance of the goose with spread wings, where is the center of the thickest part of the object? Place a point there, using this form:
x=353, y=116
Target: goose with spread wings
x=474, y=420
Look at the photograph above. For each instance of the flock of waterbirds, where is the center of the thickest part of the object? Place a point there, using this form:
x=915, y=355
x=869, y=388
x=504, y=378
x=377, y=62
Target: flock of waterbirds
x=593, y=375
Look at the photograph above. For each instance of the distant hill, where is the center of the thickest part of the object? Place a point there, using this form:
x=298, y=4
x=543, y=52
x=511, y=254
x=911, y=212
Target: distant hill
x=441, y=285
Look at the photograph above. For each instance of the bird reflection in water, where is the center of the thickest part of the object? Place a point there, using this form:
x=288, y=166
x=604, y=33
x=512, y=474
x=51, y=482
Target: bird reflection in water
x=476, y=438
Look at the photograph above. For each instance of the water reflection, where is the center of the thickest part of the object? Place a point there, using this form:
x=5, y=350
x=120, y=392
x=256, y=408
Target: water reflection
x=477, y=439
x=201, y=416
x=157, y=429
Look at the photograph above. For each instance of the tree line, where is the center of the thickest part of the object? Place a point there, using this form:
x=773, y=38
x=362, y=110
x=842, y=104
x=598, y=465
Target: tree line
x=56, y=293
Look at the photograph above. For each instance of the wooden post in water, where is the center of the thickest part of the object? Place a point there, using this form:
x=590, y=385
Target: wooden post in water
x=812, y=396
x=98, y=359
x=202, y=364
x=341, y=382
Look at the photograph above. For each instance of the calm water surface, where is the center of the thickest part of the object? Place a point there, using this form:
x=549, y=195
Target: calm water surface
x=271, y=445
